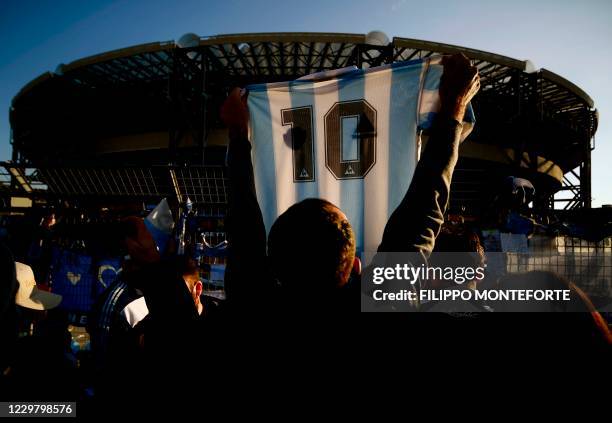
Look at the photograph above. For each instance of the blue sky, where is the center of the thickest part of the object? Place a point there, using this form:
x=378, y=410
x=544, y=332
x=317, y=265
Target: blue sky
x=571, y=38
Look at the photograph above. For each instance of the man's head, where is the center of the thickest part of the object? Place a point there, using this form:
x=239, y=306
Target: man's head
x=139, y=242
x=457, y=246
x=312, y=245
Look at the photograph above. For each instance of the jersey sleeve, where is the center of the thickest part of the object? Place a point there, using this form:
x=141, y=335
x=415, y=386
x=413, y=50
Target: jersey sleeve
x=429, y=99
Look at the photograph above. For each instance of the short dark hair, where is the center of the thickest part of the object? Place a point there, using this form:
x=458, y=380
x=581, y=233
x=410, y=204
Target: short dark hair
x=460, y=239
x=184, y=266
x=310, y=245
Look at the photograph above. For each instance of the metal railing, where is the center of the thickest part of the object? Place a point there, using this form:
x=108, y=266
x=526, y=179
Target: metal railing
x=202, y=184
x=588, y=264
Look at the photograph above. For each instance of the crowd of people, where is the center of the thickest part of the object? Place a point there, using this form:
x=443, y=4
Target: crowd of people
x=154, y=324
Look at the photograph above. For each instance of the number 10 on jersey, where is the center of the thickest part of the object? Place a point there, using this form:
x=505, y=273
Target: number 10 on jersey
x=349, y=154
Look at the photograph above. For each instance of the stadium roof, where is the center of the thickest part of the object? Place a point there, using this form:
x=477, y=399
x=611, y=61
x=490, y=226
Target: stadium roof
x=168, y=87
x=74, y=92
x=286, y=55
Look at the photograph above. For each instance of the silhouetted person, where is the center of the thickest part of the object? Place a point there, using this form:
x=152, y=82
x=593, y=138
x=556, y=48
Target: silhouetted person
x=310, y=252
x=146, y=328
x=36, y=365
x=8, y=311
x=116, y=322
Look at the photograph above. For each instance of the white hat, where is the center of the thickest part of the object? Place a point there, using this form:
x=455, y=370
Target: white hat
x=28, y=294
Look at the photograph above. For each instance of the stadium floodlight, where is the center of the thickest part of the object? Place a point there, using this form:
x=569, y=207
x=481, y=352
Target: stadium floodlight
x=530, y=67
x=189, y=40
x=376, y=38
x=59, y=70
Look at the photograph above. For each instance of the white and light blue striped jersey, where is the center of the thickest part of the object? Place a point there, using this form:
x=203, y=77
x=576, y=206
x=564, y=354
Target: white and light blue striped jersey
x=349, y=137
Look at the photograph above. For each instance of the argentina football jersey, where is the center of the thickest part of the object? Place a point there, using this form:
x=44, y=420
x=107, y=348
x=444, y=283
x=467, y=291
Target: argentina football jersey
x=349, y=137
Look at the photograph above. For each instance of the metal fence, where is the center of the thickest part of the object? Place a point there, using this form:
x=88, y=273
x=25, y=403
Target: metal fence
x=202, y=184
x=586, y=263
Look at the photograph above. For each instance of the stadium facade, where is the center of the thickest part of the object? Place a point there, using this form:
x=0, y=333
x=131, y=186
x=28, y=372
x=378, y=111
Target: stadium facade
x=142, y=122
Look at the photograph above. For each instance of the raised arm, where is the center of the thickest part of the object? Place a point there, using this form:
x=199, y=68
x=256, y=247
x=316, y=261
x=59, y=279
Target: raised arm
x=246, y=230
x=416, y=222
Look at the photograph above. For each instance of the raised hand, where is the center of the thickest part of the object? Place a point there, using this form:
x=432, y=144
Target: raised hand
x=235, y=114
x=459, y=84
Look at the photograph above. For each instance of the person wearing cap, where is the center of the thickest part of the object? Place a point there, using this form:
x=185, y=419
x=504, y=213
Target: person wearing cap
x=33, y=304
x=19, y=289
x=41, y=356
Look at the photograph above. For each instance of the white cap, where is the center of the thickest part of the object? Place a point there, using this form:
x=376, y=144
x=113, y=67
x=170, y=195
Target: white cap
x=28, y=294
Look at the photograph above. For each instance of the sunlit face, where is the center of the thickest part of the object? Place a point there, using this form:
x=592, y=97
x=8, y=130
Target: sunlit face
x=351, y=262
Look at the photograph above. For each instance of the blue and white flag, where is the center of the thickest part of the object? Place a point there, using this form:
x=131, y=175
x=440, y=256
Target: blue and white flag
x=160, y=224
x=349, y=137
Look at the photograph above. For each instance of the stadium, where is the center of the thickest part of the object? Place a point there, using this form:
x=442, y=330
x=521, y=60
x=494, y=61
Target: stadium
x=141, y=123
x=196, y=194
x=118, y=203
x=110, y=135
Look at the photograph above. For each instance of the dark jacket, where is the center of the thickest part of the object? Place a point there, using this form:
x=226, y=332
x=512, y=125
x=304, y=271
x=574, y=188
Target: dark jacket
x=8, y=310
